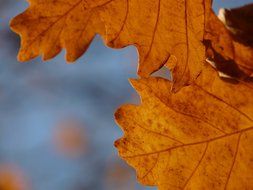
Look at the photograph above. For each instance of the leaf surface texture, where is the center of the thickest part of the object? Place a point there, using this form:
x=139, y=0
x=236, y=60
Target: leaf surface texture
x=198, y=138
x=160, y=29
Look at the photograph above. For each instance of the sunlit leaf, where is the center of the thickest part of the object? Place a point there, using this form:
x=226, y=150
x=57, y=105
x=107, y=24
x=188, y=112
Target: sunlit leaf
x=158, y=28
x=198, y=138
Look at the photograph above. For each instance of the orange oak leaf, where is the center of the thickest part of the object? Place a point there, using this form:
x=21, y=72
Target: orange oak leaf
x=229, y=42
x=158, y=28
x=198, y=138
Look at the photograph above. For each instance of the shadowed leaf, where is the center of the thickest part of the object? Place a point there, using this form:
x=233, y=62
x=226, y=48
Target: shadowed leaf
x=230, y=41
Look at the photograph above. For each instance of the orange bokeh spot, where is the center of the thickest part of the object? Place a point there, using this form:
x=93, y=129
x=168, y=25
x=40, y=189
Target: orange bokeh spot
x=70, y=138
x=12, y=178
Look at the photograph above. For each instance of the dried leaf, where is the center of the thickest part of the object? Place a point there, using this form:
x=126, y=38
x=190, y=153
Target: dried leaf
x=158, y=29
x=199, y=138
x=229, y=44
x=239, y=22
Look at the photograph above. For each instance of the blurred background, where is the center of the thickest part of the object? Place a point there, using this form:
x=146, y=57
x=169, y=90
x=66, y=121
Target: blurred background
x=56, y=120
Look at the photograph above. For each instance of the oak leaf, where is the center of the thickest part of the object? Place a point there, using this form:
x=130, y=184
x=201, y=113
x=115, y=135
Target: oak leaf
x=229, y=44
x=158, y=28
x=198, y=138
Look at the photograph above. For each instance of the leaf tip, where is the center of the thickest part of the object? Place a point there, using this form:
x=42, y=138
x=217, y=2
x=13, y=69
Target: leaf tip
x=117, y=143
x=21, y=57
x=133, y=81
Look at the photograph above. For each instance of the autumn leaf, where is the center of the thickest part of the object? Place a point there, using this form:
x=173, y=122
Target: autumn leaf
x=159, y=29
x=198, y=138
x=228, y=41
x=239, y=22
